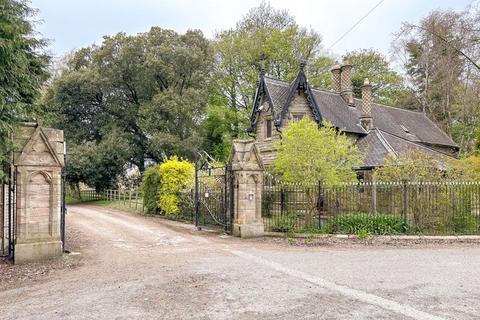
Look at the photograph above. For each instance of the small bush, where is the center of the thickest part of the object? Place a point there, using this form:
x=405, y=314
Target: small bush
x=308, y=229
x=150, y=186
x=465, y=223
x=355, y=223
x=363, y=234
x=176, y=176
x=285, y=223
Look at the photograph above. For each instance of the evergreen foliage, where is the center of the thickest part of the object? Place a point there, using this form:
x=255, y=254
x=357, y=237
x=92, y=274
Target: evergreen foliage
x=150, y=187
x=23, y=68
x=176, y=175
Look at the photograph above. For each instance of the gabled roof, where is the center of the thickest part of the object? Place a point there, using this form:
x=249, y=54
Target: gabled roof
x=280, y=94
x=410, y=125
x=378, y=144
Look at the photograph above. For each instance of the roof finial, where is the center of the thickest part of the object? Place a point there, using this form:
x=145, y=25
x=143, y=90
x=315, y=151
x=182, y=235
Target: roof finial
x=302, y=65
x=262, y=68
x=262, y=63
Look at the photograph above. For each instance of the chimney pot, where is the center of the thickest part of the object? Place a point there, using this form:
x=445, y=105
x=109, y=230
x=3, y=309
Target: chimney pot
x=366, y=119
x=336, y=77
x=346, y=82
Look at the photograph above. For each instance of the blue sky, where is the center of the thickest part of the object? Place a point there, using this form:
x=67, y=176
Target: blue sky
x=72, y=24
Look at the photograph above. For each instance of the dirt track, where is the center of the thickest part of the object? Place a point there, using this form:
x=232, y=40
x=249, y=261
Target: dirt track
x=133, y=267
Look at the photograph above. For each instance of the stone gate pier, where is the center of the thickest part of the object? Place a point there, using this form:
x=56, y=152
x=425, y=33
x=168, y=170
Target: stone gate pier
x=38, y=167
x=247, y=170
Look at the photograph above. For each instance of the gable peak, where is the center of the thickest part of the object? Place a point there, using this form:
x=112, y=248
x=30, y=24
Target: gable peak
x=39, y=151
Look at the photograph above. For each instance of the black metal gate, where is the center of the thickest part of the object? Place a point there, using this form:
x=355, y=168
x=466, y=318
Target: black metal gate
x=214, y=185
x=7, y=213
x=63, y=206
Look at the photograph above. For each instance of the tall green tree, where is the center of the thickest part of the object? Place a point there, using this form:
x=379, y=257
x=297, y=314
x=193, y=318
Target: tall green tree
x=310, y=155
x=23, y=67
x=151, y=86
x=264, y=38
x=221, y=125
x=371, y=64
x=98, y=164
x=318, y=72
x=439, y=55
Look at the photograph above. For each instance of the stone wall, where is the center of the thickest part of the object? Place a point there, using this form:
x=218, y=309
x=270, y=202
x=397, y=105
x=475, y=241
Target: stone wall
x=266, y=147
x=38, y=167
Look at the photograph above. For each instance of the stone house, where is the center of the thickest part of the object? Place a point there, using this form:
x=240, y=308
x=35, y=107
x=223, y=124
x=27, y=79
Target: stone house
x=378, y=130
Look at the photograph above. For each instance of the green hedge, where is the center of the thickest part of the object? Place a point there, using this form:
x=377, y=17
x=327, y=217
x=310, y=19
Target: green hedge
x=285, y=223
x=354, y=223
x=150, y=186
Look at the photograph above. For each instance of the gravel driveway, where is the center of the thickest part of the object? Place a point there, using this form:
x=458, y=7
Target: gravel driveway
x=134, y=267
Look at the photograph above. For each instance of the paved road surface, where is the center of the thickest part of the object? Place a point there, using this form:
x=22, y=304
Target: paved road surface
x=143, y=268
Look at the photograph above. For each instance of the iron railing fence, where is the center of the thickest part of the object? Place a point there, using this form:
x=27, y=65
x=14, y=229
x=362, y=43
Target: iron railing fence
x=8, y=206
x=429, y=208
x=7, y=219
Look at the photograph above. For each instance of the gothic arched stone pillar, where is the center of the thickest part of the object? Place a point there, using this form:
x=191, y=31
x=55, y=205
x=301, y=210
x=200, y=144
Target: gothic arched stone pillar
x=248, y=172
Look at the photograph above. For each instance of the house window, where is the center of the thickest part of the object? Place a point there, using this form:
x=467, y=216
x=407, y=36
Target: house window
x=297, y=116
x=268, y=131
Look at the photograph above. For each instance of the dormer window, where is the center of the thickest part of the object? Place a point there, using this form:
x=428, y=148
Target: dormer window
x=297, y=116
x=268, y=129
x=405, y=129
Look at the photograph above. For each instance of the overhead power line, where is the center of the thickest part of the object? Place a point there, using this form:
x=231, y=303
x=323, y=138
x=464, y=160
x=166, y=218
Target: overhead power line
x=356, y=24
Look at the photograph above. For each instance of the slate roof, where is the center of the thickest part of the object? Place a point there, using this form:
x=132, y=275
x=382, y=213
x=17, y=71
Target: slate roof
x=387, y=119
x=278, y=91
x=377, y=145
x=374, y=149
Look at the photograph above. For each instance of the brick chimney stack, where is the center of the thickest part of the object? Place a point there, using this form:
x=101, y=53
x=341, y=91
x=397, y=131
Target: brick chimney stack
x=337, y=87
x=346, y=82
x=366, y=119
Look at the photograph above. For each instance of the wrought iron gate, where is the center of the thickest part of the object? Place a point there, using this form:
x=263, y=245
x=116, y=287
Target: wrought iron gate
x=63, y=205
x=213, y=193
x=7, y=213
